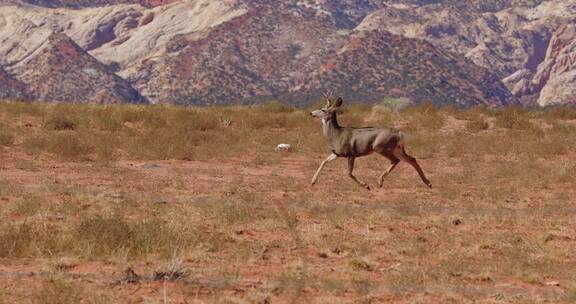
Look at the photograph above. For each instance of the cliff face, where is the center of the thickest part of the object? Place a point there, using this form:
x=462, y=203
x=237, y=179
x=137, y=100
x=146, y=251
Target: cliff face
x=555, y=78
x=204, y=52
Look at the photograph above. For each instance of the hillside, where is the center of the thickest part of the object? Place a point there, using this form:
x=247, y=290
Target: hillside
x=220, y=52
x=62, y=71
x=378, y=63
x=516, y=40
x=11, y=88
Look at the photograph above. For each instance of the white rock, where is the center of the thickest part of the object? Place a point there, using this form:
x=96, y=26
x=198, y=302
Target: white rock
x=284, y=148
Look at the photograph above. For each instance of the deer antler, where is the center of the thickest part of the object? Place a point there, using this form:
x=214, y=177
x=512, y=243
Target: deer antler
x=328, y=96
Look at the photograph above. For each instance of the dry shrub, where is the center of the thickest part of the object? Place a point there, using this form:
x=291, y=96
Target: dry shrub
x=16, y=109
x=69, y=145
x=29, y=205
x=260, y=120
x=362, y=264
x=107, y=118
x=66, y=117
x=477, y=125
x=562, y=112
x=396, y=103
x=423, y=145
x=358, y=109
x=457, y=145
x=190, y=120
x=106, y=145
x=106, y=235
x=35, y=144
x=29, y=240
x=275, y=107
x=233, y=212
x=472, y=114
x=58, y=291
x=7, y=138
x=154, y=116
x=167, y=144
x=567, y=131
x=96, y=236
x=425, y=116
x=513, y=118
x=383, y=116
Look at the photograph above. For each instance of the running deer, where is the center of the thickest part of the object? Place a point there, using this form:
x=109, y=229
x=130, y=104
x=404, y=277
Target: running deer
x=356, y=142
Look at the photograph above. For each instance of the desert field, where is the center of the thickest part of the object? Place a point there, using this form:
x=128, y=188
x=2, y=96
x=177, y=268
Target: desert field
x=164, y=204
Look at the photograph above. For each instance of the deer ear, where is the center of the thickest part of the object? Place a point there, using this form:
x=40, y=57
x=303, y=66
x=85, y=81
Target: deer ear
x=338, y=102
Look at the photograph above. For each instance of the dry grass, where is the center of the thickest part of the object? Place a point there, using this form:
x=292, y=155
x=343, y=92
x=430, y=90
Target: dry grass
x=199, y=205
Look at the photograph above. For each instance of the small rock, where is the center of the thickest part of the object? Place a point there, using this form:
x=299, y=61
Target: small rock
x=553, y=283
x=284, y=148
x=456, y=222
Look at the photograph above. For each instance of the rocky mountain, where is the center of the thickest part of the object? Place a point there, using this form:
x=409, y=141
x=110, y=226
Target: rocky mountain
x=60, y=70
x=78, y=4
x=203, y=52
x=512, y=39
x=378, y=63
x=11, y=88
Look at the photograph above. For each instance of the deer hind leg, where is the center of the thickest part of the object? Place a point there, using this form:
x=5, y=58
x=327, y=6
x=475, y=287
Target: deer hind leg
x=350, y=169
x=329, y=159
x=400, y=153
x=393, y=163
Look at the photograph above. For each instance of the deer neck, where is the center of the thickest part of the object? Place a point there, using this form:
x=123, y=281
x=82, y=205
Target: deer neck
x=331, y=127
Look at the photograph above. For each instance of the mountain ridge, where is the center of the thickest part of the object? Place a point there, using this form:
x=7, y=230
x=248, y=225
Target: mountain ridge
x=204, y=52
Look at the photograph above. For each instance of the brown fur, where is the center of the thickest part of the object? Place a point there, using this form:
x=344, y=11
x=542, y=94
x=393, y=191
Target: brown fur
x=357, y=142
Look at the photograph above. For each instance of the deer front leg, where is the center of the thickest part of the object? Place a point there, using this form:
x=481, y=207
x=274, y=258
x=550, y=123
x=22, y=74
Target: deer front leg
x=329, y=159
x=350, y=169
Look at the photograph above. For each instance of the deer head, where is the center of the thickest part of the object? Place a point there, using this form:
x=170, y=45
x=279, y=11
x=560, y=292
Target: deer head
x=330, y=109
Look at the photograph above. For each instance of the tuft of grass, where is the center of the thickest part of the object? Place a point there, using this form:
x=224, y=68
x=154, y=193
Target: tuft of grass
x=30, y=205
x=562, y=112
x=108, y=118
x=361, y=264
x=60, y=119
x=30, y=240
x=426, y=117
x=396, y=103
x=7, y=138
x=571, y=293
x=472, y=114
x=58, y=291
x=275, y=107
x=233, y=212
x=68, y=145
x=477, y=125
x=172, y=271
x=104, y=236
x=513, y=118
x=17, y=109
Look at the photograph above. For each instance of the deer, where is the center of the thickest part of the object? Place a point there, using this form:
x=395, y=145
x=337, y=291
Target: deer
x=350, y=143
